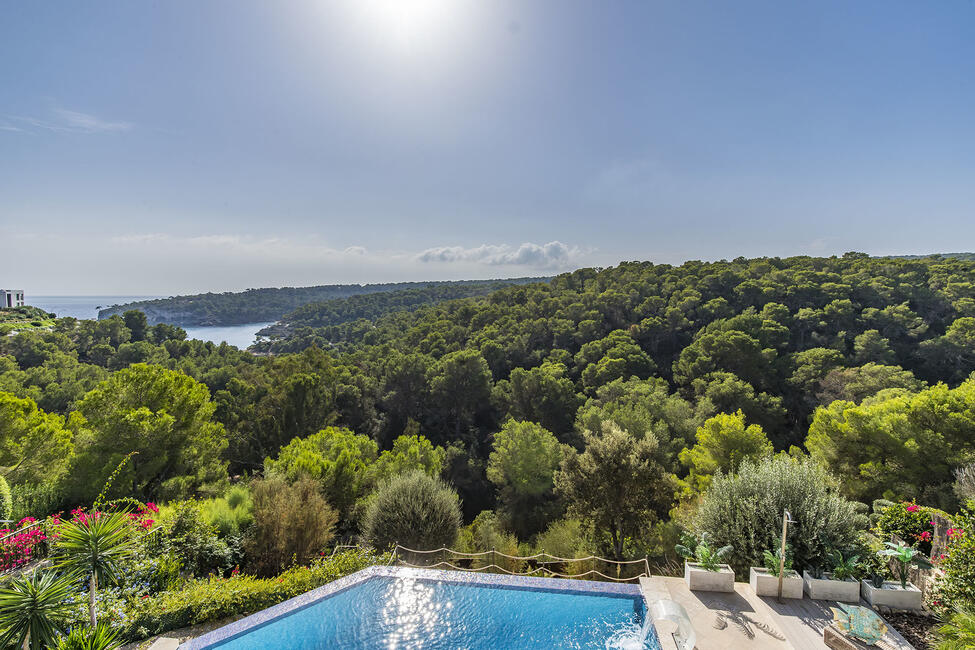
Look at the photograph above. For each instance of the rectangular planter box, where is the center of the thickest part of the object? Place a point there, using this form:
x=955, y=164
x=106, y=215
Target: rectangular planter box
x=844, y=591
x=699, y=579
x=891, y=595
x=765, y=584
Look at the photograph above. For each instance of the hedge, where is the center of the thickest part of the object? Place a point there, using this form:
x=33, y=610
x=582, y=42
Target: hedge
x=215, y=598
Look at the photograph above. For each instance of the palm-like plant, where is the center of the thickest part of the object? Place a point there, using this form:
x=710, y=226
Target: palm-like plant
x=33, y=610
x=100, y=637
x=906, y=557
x=700, y=549
x=958, y=632
x=95, y=545
x=843, y=569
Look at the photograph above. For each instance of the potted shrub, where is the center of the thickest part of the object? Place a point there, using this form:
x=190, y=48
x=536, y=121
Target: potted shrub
x=765, y=580
x=840, y=584
x=902, y=595
x=706, y=573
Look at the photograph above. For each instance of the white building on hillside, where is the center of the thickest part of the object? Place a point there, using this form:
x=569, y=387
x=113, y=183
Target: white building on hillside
x=11, y=297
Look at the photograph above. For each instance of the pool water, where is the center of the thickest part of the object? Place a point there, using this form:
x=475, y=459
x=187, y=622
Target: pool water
x=406, y=612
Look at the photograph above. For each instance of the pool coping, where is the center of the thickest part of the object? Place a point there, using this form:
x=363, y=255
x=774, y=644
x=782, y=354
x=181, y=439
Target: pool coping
x=266, y=616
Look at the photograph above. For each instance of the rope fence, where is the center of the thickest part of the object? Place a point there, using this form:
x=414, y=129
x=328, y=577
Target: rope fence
x=544, y=564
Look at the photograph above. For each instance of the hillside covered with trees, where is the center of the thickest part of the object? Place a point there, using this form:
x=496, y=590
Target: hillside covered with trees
x=605, y=411
x=262, y=305
x=306, y=325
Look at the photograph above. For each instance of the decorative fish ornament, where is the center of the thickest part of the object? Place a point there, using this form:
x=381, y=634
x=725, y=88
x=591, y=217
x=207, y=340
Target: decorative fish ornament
x=860, y=623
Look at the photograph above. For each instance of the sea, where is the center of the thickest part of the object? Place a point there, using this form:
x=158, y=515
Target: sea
x=87, y=307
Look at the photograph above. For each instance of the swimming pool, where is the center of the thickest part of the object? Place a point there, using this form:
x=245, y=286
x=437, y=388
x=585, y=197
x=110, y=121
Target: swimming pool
x=391, y=607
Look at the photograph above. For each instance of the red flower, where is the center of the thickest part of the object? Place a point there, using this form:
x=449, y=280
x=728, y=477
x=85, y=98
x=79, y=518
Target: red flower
x=912, y=508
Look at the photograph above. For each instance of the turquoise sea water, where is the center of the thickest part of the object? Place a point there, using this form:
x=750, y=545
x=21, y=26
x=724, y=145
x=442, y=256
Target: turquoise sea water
x=240, y=336
x=384, y=613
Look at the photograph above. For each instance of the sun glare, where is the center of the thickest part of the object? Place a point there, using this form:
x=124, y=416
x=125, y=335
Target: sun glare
x=409, y=27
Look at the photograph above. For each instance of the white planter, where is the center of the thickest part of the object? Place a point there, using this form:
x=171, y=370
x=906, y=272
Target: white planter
x=699, y=579
x=765, y=584
x=891, y=595
x=825, y=588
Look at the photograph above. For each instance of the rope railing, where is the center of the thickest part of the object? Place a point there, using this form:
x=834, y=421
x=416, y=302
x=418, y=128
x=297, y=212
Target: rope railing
x=537, y=558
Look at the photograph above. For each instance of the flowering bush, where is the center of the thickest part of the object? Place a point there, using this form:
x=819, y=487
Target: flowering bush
x=141, y=516
x=912, y=523
x=956, y=588
x=20, y=546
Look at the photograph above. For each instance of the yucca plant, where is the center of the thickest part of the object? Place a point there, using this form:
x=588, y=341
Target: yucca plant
x=906, y=557
x=958, y=632
x=100, y=637
x=33, y=610
x=95, y=545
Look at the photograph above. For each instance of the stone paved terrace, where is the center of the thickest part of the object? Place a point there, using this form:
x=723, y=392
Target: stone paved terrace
x=742, y=620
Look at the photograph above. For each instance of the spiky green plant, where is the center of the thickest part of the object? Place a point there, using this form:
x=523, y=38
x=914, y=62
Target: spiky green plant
x=100, y=637
x=95, y=545
x=771, y=561
x=701, y=550
x=906, y=557
x=843, y=569
x=958, y=632
x=33, y=610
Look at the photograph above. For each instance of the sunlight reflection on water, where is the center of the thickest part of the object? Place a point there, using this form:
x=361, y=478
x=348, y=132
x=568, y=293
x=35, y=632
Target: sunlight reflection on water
x=398, y=613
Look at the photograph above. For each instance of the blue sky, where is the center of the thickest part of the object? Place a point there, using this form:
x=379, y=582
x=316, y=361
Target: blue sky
x=180, y=146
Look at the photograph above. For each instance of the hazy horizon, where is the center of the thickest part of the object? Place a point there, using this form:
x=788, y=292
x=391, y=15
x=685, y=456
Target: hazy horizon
x=136, y=296
x=185, y=147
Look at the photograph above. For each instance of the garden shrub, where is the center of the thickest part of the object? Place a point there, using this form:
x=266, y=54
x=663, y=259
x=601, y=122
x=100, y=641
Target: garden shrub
x=187, y=534
x=911, y=522
x=6, y=500
x=486, y=533
x=965, y=482
x=744, y=510
x=957, y=632
x=233, y=513
x=39, y=501
x=956, y=588
x=215, y=598
x=20, y=549
x=414, y=510
x=292, y=523
x=566, y=538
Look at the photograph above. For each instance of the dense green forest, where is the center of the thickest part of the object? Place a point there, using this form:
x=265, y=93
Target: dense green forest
x=262, y=305
x=304, y=326
x=606, y=411
x=650, y=347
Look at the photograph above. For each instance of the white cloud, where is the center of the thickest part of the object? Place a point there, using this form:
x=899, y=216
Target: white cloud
x=554, y=254
x=88, y=123
x=155, y=263
x=64, y=121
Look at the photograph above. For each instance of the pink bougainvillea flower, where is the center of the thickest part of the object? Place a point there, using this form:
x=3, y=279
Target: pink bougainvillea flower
x=912, y=508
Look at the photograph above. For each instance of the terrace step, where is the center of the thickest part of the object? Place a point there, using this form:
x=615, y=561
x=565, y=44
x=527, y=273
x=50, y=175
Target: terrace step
x=165, y=643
